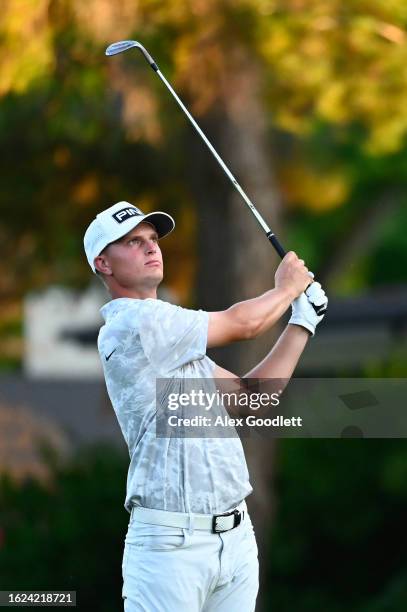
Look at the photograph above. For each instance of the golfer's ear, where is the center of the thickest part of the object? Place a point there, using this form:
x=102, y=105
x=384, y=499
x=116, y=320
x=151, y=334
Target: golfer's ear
x=102, y=265
x=226, y=327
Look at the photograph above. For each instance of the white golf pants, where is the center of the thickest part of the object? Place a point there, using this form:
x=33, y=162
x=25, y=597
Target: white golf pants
x=171, y=569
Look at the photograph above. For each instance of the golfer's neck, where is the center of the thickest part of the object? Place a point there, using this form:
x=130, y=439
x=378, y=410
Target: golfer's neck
x=139, y=293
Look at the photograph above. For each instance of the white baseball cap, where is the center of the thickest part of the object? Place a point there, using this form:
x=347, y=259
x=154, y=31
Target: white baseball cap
x=116, y=221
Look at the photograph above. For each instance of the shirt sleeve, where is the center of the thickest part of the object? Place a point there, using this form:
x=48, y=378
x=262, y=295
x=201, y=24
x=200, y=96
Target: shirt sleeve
x=171, y=336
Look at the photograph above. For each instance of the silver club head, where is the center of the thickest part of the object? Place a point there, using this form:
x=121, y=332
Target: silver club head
x=124, y=45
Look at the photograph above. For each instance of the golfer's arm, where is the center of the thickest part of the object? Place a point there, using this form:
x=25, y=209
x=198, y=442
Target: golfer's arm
x=275, y=370
x=248, y=319
x=284, y=356
x=280, y=361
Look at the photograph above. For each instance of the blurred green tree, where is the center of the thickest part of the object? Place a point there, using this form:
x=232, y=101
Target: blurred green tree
x=262, y=76
x=70, y=534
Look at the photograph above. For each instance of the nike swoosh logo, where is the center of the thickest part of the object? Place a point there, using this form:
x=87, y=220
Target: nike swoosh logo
x=107, y=357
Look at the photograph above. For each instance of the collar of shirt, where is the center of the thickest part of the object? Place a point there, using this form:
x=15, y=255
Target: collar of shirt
x=111, y=308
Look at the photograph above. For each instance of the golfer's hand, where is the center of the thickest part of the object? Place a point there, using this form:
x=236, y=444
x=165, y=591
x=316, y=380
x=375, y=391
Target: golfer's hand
x=303, y=311
x=292, y=275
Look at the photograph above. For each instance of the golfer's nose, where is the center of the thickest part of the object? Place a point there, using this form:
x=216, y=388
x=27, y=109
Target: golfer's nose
x=151, y=246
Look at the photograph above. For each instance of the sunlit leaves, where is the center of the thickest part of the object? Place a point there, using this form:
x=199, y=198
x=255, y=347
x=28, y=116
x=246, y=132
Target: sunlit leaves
x=339, y=62
x=318, y=191
x=335, y=61
x=26, y=55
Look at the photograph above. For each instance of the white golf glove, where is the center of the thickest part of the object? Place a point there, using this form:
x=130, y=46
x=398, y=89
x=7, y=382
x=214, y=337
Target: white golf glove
x=309, y=309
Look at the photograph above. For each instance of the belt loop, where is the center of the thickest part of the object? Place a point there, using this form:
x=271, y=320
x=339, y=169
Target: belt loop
x=191, y=523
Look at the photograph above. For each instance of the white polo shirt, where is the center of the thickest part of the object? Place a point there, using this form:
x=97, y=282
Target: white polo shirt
x=143, y=340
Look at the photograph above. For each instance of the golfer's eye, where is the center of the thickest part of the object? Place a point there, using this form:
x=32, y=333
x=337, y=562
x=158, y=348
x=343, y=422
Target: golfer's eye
x=134, y=241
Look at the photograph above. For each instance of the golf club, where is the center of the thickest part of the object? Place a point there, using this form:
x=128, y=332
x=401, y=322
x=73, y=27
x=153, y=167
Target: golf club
x=124, y=45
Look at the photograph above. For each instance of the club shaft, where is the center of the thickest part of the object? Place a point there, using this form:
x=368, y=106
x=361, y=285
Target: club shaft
x=270, y=235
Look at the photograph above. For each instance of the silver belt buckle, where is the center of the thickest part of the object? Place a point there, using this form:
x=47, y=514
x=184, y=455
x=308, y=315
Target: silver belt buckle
x=238, y=515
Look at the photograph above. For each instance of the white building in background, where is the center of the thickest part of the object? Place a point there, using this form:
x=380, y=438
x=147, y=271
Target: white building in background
x=53, y=321
x=50, y=318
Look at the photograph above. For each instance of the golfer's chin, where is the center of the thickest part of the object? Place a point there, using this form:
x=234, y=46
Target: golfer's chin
x=155, y=276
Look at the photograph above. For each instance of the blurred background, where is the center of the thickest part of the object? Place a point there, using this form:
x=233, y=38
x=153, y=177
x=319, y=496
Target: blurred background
x=307, y=103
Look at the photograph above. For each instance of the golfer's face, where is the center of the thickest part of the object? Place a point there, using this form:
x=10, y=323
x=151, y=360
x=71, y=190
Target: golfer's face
x=136, y=258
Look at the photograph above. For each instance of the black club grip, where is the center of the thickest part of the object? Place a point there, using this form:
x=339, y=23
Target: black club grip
x=276, y=244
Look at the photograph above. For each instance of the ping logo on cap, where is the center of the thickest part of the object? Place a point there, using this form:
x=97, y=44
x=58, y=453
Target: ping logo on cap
x=126, y=213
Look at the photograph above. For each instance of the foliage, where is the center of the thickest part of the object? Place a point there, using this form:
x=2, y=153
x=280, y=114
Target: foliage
x=338, y=540
x=69, y=536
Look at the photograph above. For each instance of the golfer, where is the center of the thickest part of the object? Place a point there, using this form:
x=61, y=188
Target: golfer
x=190, y=544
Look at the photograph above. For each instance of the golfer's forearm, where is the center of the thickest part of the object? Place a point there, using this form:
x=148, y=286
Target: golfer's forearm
x=284, y=356
x=262, y=312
